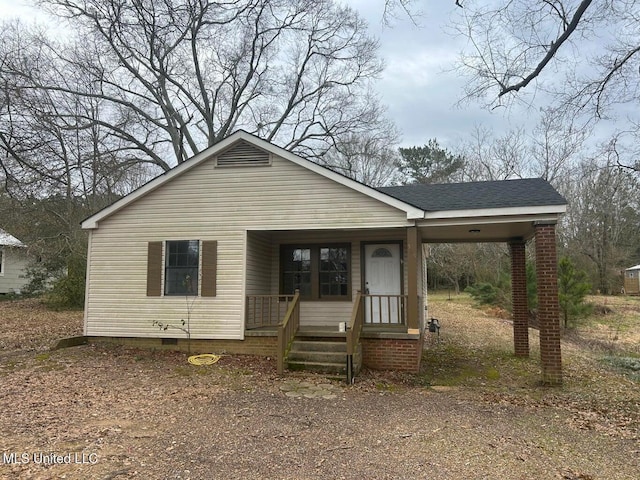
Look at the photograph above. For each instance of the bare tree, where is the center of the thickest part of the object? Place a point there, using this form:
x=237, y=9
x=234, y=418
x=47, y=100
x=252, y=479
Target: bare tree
x=556, y=146
x=53, y=142
x=369, y=158
x=496, y=158
x=583, y=55
x=603, y=222
x=176, y=76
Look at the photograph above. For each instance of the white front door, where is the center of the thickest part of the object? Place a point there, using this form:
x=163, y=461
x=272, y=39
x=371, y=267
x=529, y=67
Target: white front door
x=382, y=277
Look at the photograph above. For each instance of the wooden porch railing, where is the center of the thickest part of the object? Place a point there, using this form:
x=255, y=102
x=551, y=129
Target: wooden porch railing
x=355, y=325
x=287, y=330
x=266, y=310
x=385, y=309
x=354, y=329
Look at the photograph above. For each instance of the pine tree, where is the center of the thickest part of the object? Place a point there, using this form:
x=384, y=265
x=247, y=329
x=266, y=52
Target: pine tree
x=573, y=286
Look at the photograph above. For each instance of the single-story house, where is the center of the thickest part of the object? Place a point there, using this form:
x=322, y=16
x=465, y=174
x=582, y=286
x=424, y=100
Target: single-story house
x=13, y=264
x=632, y=280
x=261, y=251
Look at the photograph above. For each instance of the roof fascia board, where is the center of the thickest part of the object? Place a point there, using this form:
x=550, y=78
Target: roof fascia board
x=497, y=212
x=412, y=212
x=460, y=221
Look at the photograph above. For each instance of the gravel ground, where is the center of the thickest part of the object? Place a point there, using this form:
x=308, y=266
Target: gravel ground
x=104, y=412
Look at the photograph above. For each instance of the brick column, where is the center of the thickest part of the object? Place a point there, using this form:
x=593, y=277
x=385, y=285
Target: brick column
x=548, y=308
x=519, y=299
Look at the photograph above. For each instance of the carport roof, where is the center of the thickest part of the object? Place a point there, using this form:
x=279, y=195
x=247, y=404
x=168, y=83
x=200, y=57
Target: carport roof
x=527, y=192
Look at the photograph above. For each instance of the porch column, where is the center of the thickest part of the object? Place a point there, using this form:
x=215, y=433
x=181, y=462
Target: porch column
x=411, y=264
x=548, y=307
x=519, y=298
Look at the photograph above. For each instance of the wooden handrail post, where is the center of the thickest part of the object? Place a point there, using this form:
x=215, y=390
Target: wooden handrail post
x=287, y=330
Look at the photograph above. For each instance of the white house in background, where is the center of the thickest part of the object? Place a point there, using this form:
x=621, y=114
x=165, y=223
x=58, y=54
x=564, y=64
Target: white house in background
x=13, y=263
x=632, y=280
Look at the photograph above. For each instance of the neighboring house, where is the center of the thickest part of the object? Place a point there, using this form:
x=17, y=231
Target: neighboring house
x=246, y=236
x=632, y=280
x=13, y=264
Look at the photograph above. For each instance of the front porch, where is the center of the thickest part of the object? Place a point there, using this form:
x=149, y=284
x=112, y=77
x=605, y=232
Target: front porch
x=357, y=287
x=335, y=278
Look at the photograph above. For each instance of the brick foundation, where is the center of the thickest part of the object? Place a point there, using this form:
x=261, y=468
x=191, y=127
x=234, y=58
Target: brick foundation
x=400, y=354
x=519, y=299
x=548, y=307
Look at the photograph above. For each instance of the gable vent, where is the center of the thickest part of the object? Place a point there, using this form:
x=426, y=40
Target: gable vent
x=243, y=154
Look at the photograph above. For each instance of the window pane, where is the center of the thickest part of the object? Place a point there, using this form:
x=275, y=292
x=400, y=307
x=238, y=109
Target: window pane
x=334, y=271
x=181, y=267
x=181, y=281
x=296, y=271
x=297, y=260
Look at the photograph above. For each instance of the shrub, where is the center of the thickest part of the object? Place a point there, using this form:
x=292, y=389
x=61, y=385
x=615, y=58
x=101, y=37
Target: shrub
x=483, y=293
x=68, y=290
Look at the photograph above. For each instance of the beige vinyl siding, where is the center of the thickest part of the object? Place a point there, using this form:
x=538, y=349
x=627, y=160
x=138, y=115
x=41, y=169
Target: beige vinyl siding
x=259, y=263
x=14, y=264
x=219, y=204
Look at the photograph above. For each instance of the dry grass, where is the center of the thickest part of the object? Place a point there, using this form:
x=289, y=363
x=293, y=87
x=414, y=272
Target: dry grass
x=475, y=351
x=473, y=412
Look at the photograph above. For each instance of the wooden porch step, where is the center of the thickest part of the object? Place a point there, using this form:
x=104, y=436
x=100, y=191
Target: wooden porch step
x=316, y=345
x=323, y=355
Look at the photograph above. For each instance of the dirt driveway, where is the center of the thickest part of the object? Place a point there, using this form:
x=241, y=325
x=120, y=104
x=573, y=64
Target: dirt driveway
x=98, y=412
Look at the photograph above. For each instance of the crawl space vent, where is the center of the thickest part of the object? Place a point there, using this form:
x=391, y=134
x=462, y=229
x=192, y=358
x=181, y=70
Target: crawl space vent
x=245, y=154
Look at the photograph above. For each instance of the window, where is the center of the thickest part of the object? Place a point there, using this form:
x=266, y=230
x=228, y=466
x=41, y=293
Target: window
x=318, y=271
x=296, y=270
x=334, y=272
x=181, y=267
x=188, y=266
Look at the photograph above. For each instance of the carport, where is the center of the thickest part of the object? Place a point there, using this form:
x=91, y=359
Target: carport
x=507, y=211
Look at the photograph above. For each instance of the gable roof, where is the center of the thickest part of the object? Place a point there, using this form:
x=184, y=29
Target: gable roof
x=226, y=144
x=528, y=192
x=8, y=240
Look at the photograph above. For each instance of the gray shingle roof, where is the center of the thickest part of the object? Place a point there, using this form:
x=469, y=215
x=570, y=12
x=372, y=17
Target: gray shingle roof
x=527, y=192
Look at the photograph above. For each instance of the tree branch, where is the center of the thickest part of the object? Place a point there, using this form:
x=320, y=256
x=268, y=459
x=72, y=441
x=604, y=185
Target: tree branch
x=555, y=46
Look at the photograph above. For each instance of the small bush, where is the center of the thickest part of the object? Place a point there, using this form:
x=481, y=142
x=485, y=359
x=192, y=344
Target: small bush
x=483, y=293
x=68, y=291
x=489, y=294
x=628, y=365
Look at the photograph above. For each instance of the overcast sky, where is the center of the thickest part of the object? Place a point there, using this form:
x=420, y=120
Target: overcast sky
x=417, y=86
